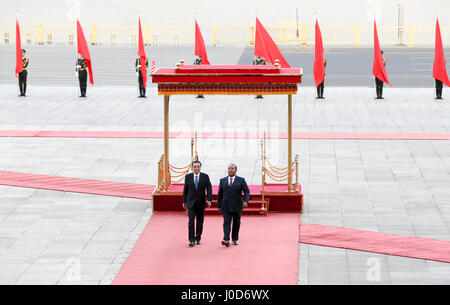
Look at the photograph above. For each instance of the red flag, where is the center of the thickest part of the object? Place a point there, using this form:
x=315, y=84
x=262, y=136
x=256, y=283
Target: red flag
x=378, y=69
x=200, y=49
x=439, y=68
x=141, y=53
x=319, y=66
x=19, y=55
x=266, y=47
x=83, y=50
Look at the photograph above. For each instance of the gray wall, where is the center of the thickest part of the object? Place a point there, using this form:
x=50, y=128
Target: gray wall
x=229, y=12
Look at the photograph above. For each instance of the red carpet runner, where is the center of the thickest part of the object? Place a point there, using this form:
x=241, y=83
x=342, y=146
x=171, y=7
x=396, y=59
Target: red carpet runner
x=86, y=186
x=267, y=253
x=383, y=243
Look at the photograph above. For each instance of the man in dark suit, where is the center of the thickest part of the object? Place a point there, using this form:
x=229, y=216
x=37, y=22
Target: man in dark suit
x=194, y=199
x=230, y=203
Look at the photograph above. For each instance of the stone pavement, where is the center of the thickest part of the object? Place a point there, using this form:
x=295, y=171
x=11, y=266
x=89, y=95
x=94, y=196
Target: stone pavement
x=397, y=186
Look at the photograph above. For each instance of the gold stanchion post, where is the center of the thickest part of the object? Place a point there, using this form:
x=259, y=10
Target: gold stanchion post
x=296, y=173
x=263, y=174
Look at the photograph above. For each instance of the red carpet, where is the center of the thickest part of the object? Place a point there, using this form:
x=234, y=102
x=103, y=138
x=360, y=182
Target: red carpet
x=86, y=186
x=267, y=253
x=383, y=243
x=227, y=135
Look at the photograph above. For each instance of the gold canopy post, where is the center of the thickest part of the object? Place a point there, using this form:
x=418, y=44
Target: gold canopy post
x=166, y=141
x=289, y=142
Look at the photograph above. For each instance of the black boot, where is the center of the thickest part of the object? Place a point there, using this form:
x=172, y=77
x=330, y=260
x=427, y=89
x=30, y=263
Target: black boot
x=439, y=94
x=141, y=91
x=379, y=93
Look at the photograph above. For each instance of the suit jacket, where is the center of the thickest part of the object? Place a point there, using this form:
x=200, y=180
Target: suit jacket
x=230, y=199
x=197, y=197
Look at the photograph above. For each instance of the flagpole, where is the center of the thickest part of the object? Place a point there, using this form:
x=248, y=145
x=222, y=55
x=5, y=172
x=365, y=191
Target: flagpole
x=76, y=55
x=138, y=93
x=17, y=21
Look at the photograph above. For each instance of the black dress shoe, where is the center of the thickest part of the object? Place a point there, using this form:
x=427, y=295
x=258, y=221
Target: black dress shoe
x=191, y=244
x=226, y=243
x=197, y=242
x=235, y=243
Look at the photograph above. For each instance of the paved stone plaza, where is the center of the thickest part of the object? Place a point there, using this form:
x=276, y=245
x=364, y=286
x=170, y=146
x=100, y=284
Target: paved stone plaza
x=391, y=186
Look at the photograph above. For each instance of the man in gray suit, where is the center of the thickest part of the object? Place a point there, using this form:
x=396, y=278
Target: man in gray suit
x=230, y=203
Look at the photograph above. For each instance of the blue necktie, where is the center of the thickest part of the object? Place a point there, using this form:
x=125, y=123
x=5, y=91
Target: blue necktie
x=196, y=182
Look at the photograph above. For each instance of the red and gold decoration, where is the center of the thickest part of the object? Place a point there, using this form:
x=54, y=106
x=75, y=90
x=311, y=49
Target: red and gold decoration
x=230, y=80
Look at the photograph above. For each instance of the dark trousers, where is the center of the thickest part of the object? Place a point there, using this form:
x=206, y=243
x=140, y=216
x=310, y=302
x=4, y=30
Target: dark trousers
x=228, y=218
x=141, y=85
x=195, y=227
x=82, y=77
x=379, y=87
x=320, y=89
x=23, y=82
x=438, y=88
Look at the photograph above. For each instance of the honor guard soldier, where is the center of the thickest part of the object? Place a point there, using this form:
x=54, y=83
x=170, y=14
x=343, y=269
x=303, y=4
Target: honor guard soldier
x=379, y=83
x=198, y=61
x=23, y=75
x=262, y=62
x=82, y=75
x=322, y=84
x=140, y=78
